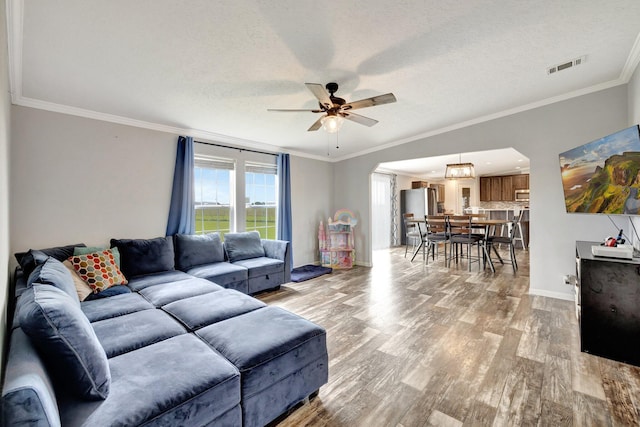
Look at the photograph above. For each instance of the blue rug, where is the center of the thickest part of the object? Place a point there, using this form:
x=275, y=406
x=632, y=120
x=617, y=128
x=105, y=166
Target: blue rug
x=306, y=272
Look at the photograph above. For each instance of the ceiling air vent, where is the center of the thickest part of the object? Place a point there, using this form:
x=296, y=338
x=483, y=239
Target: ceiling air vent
x=566, y=65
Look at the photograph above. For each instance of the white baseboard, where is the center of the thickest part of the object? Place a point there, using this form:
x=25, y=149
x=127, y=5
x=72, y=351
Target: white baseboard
x=550, y=294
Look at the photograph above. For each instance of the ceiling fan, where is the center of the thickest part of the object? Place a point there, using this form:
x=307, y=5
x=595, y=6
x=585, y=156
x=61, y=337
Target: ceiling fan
x=337, y=109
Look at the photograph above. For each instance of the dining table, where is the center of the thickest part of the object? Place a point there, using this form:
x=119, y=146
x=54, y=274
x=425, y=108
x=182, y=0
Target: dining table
x=489, y=225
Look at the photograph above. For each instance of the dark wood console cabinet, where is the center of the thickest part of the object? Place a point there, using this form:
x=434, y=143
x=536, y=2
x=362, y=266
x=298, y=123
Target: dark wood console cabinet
x=608, y=305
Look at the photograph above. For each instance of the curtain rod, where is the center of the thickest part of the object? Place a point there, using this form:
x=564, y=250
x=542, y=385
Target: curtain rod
x=234, y=148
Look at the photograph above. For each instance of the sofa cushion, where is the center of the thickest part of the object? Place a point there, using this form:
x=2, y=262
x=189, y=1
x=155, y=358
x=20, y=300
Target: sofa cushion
x=63, y=334
x=261, y=266
x=129, y=332
x=81, y=250
x=114, y=306
x=58, y=252
x=221, y=273
x=243, y=245
x=192, y=250
x=54, y=273
x=166, y=293
x=202, y=310
x=140, y=282
x=144, y=256
x=98, y=269
x=276, y=347
x=108, y=293
x=178, y=381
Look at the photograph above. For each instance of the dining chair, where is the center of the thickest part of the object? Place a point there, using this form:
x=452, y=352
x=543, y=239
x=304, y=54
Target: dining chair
x=412, y=232
x=508, y=240
x=519, y=235
x=517, y=220
x=437, y=232
x=462, y=234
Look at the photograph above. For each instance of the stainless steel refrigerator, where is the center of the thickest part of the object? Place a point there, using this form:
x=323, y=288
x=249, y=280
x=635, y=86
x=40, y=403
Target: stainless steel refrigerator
x=419, y=202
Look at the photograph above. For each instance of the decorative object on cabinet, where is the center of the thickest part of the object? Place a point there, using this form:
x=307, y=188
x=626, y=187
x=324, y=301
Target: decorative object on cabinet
x=337, y=249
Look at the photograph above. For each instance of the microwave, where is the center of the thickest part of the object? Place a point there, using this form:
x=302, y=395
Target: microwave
x=522, y=196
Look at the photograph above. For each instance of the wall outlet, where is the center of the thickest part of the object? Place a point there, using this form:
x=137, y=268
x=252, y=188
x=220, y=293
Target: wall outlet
x=569, y=279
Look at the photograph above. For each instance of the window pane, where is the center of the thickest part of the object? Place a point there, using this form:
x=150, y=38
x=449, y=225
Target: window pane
x=261, y=200
x=212, y=182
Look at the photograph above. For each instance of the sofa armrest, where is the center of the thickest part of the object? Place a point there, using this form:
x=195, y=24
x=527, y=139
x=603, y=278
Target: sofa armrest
x=279, y=249
x=27, y=394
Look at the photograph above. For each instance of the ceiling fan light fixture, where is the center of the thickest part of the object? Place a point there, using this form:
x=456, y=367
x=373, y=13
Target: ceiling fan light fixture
x=331, y=123
x=460, y=171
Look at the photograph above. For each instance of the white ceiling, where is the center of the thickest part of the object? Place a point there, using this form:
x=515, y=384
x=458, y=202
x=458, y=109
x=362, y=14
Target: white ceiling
x=212, y=68
x=491, y=162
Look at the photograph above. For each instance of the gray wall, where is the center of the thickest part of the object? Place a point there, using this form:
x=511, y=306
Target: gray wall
x=82, y=180
x=634, y=119
x=5, y=132
x=540, y=134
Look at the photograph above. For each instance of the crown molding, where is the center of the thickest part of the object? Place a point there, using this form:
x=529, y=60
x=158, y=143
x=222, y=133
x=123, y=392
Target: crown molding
x=632, y=62
x=15, y=15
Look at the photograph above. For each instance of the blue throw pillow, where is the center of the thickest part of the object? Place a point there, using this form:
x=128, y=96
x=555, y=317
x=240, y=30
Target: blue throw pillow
x=241, y=246
x=109, y=292
x=30, y=260
x=53, y=272
x=193, y=250
x=145, y=256
x=63, y=335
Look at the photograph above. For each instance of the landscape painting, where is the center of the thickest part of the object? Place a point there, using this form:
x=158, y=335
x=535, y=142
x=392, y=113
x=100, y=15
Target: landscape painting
x=603, y=176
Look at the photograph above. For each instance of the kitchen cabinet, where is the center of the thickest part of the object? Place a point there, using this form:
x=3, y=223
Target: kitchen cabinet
x=496, y=188
x=485, y=189
x=502, y=188
x=507, y=189
x=608, y=305
x=521, y=182
x=419, y=184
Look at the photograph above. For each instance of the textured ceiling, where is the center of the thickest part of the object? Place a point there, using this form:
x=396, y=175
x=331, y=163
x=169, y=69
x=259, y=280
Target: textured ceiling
x=213, y=68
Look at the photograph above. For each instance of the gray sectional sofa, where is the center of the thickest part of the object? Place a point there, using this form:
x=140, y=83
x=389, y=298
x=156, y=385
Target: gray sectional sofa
x=171, y=348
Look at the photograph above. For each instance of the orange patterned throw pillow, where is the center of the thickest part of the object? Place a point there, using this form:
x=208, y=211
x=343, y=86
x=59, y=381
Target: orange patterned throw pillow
x=98, y=269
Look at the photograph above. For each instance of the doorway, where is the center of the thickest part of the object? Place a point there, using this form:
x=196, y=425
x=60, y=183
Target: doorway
x=383, y=233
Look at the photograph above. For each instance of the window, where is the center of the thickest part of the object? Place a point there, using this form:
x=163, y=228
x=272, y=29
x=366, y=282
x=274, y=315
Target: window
x=260, y=192
x=213, y=183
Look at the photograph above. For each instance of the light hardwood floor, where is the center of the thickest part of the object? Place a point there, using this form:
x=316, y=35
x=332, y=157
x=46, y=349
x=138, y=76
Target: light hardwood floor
x=414, y=345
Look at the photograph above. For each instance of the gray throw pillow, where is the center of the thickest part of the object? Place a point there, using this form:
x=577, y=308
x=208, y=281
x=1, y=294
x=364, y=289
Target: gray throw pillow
x=58, y=252
x=193, y=250
x=53, y=272
x=241, y=246
x=63, y=335
x=30, y=260
x=145, y=256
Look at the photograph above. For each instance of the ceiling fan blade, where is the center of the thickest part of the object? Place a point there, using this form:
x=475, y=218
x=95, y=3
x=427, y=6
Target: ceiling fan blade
x=358, y=118
x=387, y=98
x=317, y=125
x=293, y=110
x=321, y=93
